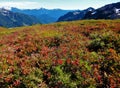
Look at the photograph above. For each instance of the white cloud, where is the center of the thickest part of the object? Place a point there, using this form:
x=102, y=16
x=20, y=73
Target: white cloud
x=21, y=5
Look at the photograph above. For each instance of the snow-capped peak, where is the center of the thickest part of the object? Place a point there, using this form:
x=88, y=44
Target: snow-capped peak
x=7, y=7
x=117, y=11
x=4, y=11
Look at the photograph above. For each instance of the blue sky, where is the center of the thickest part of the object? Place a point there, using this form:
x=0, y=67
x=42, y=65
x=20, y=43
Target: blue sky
x=51, y=4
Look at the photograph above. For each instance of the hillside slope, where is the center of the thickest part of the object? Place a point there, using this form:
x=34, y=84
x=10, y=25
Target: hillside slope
x=110, y=11
x=75, y=15
x=11, y=19
x=78, y=54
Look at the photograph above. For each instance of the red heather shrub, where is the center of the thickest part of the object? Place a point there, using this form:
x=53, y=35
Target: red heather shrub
x=25, y=71
x=59, y=61
x=68, y=61
x=8, y=79
x=75, y=62
x=11, y=69
x=16, y=83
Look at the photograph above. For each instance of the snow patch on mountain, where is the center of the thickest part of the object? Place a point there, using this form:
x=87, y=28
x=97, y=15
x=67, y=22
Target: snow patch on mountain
x=4, y=12
x=76, y=13
x=93, y=13
x=117, y=11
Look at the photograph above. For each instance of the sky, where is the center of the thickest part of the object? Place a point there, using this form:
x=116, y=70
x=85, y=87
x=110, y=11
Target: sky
x=52, y=4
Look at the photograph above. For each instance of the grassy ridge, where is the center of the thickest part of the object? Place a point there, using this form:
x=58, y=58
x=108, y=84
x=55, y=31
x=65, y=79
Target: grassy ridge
x=78, y=54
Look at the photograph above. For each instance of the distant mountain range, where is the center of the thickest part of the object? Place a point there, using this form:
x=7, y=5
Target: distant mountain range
x=110, y=11
x=75, y=15
x=12, y=19
x=43, y=15
x=18, y=17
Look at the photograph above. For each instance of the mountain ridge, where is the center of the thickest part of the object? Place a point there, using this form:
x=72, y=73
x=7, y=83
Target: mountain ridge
x=42, y=13
x=109, y=11
x=14, y=19
x=75, y=15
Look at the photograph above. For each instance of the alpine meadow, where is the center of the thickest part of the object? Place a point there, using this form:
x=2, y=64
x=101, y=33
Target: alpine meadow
x=72, y=49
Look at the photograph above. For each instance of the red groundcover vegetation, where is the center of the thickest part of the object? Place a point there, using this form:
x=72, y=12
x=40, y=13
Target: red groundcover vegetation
x=78, y=54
